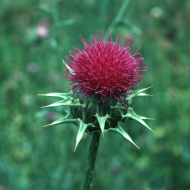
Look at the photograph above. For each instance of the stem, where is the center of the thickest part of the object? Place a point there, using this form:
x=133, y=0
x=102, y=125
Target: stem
x=118, y=17
x=93, y=149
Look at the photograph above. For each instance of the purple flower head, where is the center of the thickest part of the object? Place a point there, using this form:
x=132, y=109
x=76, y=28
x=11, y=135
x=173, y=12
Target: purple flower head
x=105, y=68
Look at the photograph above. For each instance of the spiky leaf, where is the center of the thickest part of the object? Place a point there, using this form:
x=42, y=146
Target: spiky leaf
x=64, y=120
x=144, y=94
x=120, y=131
x=67, y=102
x=82, y=128
x=102, y=121
x=56, y=94
x=142, y=117
x=131, y=114
x=136, y=93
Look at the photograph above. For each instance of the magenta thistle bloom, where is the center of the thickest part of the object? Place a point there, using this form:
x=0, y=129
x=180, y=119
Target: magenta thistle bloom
x=105, y=68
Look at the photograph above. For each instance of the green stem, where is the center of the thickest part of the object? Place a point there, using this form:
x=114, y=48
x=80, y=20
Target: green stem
x=93, y=149
x=118, y=17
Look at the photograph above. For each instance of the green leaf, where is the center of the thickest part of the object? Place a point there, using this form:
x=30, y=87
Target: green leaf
x=120, y=131
x=102, y=121
x=142, y=117
x=67, y=102
x=136, y=93
x=131, y=114
x=63, y=121
x=144, y=94
x=56, y=94
x=82, y=128
x=60, y=103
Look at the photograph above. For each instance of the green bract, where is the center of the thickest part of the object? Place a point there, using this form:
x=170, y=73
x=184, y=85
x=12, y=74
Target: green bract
x=90, y=114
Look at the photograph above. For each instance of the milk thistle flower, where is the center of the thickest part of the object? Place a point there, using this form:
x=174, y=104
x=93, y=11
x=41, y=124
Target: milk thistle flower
x=105, y=68
x=103, y=76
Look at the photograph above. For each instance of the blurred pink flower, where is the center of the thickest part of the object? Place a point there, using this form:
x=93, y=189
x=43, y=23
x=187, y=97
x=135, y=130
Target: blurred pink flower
x=43, y=29
x=51, y=116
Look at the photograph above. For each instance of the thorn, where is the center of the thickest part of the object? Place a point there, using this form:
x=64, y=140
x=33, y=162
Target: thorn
x=75, y=148
x=135, y=145
x=47, y=125
x=41, y=94
x=103, y=133
x=151, y=130
x=149, y=87
x=44, y=106
x=141, y=94
x=150, y=118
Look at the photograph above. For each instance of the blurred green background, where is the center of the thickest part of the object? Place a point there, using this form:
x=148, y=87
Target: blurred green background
x=34, y=38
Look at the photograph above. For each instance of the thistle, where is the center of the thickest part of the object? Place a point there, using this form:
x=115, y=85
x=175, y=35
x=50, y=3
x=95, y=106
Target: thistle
x=103, y=76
